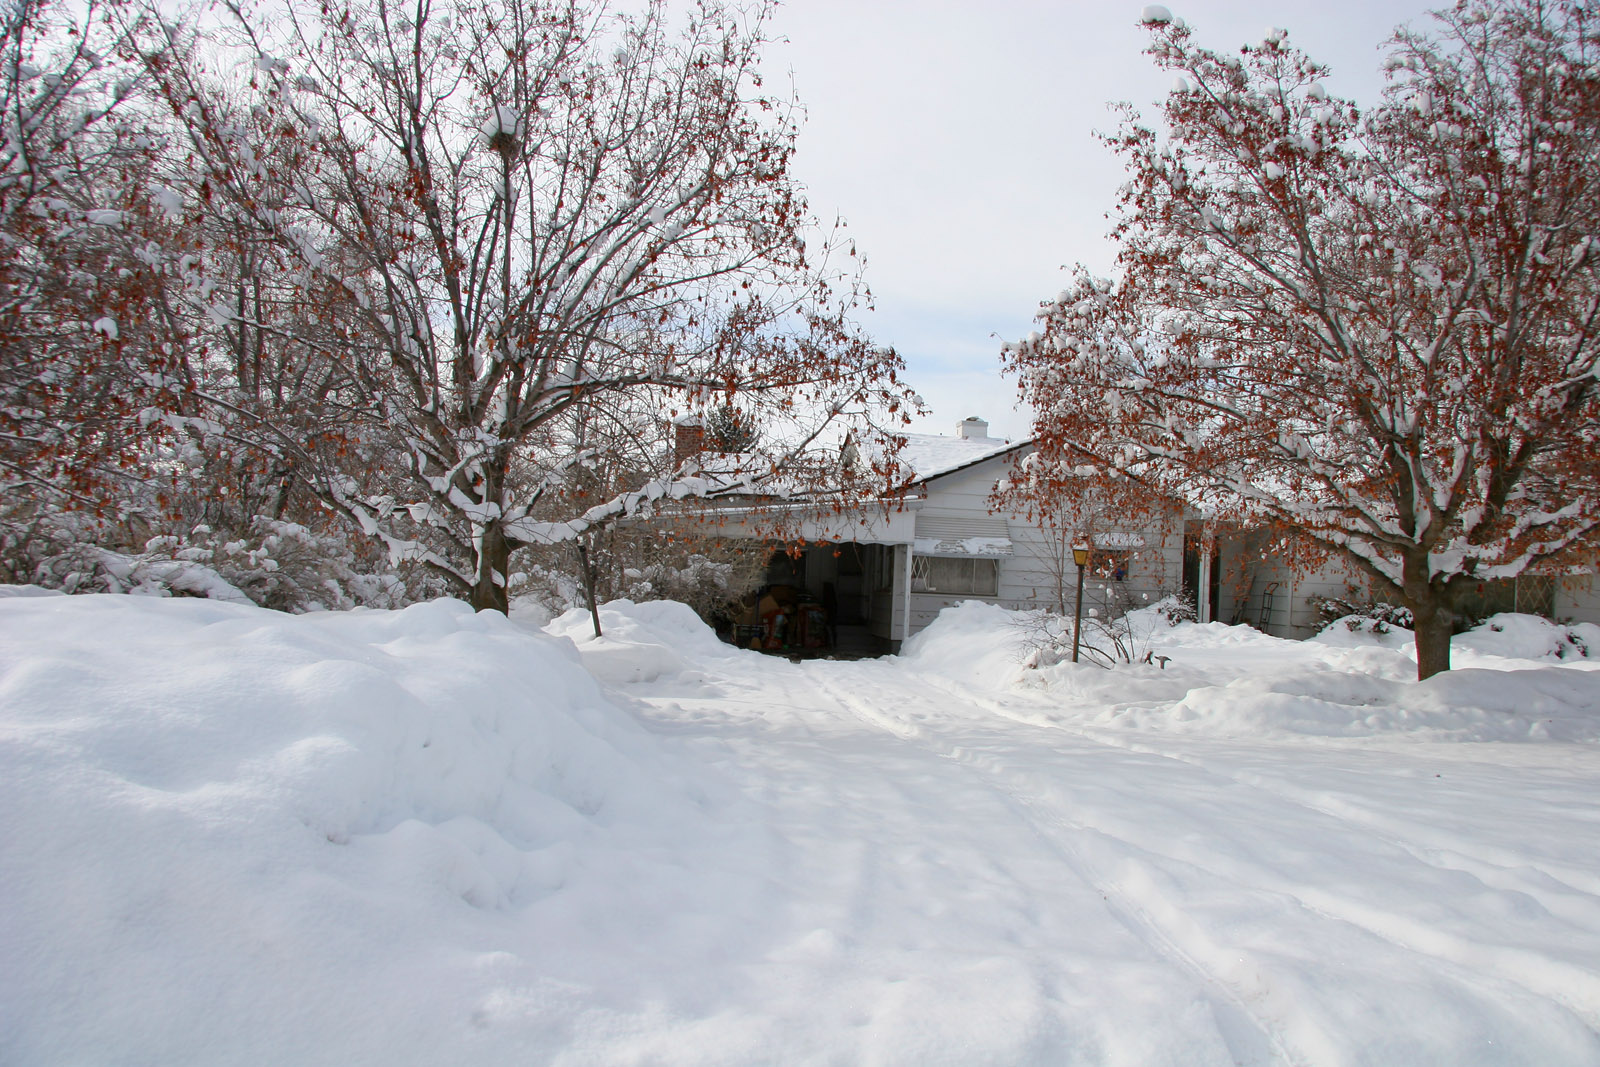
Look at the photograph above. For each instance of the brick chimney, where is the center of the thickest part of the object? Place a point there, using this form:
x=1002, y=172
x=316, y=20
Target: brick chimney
x=972, y=428
x=688, y=439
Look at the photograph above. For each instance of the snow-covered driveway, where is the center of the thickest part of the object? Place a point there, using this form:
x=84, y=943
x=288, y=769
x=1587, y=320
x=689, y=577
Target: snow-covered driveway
x=232, y=836
x=978, y=876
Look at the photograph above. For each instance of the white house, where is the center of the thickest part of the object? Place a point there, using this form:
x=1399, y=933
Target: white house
x=880, y=577
x=876, y=577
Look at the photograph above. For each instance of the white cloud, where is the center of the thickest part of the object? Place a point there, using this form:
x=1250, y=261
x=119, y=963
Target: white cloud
x=957, y=140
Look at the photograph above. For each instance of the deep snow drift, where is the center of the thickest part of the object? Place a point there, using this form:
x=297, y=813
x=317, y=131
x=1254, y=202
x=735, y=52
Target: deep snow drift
x=234, y=836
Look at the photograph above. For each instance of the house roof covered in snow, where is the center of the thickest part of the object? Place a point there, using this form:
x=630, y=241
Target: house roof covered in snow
x=931, y=456
x=923, y=458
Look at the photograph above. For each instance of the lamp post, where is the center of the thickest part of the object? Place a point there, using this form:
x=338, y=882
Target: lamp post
x=1080, y=556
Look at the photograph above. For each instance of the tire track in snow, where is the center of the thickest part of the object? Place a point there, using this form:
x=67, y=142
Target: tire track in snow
x=1132, y=899
x=1570, y=986
x=1495, y=867
x=1136, y=874
x=1386, y=829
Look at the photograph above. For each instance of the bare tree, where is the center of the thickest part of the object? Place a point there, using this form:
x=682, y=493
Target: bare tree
x=85, y=358
x=492, y=216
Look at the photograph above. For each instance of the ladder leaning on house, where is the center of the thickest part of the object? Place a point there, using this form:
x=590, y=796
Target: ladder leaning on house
x=1265, y=618
x=1264, y=612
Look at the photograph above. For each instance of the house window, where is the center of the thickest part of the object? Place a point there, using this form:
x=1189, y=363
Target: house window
x=1111, y=564
x=955, y=577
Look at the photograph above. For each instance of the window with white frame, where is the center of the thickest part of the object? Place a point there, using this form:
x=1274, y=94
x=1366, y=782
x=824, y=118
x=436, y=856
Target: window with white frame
x=953, y=576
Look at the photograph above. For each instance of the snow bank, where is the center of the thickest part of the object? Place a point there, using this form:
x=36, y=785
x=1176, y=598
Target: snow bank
x=1530, y=637
x=1462, y=705
x=1234, y=681
x=1355, y=631
x=1505, y=636
x=233, y=835
x=974, y=641
x=640, y=642
x=7, y=591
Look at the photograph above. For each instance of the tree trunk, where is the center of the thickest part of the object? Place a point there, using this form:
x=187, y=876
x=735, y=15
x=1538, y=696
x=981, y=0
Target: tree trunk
x=494, y=562
x=1433, y=642
x=284, y=477
x=586, y=569
x=1432, y=615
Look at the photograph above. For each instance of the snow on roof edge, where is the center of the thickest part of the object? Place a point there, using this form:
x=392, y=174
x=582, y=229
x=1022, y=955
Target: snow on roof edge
x=930, y=456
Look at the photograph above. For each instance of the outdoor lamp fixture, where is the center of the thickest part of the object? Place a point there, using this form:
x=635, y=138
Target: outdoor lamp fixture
x=1080, y=556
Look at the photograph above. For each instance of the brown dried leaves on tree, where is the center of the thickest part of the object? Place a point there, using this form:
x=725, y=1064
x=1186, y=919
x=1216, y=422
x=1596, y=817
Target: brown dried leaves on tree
x=489, y=223
x=1379, y=330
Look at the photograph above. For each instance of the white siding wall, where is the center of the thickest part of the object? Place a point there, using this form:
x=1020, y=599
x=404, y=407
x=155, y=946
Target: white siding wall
x=1246, y=574
x=1578, y=598
x=1335, y=578
x=1247, y=571
x=888, y=613
x=1027, y=577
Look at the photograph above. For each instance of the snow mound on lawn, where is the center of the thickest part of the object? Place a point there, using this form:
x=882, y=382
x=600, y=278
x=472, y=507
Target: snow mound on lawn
x=1460, y=705
x=1234, y=681
x=1356, y=631
x=27, y=591
x=1359, y=683
x=1514, y=636
x=988, y=646
x=1504, y=636
x=231, y=834
x=640, y=642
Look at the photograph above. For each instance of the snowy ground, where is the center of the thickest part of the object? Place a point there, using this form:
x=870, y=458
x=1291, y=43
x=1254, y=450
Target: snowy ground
x=232, y=836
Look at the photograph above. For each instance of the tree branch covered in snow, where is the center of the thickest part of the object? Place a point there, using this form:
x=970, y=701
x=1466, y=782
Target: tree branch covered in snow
x=1379, y=330
x=478, y=223
x=83, y=353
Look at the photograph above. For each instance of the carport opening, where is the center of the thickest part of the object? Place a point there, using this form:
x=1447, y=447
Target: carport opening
x=818, y=601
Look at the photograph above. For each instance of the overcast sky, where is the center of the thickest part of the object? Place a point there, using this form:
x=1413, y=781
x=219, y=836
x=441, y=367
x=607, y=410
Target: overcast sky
x=956, y=138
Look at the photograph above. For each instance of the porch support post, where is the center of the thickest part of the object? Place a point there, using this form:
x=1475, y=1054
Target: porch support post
x=905, y=602
x=1203, y=608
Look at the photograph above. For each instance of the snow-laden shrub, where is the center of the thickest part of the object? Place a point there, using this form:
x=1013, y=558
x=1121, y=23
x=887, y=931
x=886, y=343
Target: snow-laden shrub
x=273, y=563
x=1522, y=636
x=1361, y=616
x=544, y=589
x=1176, y=608
x=64, y=554
x=1121, y=635
x=287, y=566
x=1362, y=624
x=709, y=575
x=707, y=585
